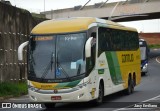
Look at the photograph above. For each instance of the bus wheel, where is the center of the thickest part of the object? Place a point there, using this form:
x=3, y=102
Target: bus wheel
x=143, y=73
x=132, y=85
x=99, y=100
x=130, y=88
x=50, y=105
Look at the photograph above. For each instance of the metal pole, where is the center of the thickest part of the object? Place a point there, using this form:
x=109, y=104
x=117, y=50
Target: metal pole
x=51, y=14
x=44, y=5
x=103, y=4
x=1, y=70
x=109, y=18
x=84, y=5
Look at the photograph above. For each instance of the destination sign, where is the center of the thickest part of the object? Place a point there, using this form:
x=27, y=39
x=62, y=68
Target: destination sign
x=43, y=38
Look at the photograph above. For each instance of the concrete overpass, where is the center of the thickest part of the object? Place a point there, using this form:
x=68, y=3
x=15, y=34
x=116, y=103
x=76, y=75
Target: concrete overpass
x=129, y=10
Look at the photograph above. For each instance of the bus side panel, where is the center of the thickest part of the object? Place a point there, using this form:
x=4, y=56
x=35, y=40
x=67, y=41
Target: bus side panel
x=115, y=72
x=103, y=72
x=109, y=70
x=129, y=64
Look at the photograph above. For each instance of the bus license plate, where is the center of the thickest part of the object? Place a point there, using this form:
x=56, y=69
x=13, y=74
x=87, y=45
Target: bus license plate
x=56, y=98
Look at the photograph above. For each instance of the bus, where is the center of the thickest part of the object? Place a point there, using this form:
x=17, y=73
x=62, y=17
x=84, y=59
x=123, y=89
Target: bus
x=81, y=59
x=144, y=49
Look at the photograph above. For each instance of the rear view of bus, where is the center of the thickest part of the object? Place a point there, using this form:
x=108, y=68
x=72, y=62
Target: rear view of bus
x=77, y=60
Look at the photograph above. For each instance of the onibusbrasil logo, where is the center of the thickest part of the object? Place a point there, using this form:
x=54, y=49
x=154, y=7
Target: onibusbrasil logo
x=21, y=105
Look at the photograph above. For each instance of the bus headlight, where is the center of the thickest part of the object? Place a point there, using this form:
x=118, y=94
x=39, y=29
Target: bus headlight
x=145, y=66
x=81, y=85
x=32, y=88
x=80, y=95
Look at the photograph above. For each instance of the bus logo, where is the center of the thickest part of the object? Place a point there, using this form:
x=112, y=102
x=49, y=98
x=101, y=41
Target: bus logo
x=55, y=91
x=6, y=105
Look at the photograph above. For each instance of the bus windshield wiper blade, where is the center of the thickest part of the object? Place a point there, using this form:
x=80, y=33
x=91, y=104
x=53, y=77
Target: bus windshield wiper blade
x=59, y=65
x=51, y=61
x=47, y=68
x=65, y=73
x=79, y=69
x=31, y=58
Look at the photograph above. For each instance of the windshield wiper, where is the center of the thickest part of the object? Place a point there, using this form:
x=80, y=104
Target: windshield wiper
x=65, y=73
x=47, y=68
x=31, y=62
x=30, y=55
x=51, y=61
x=59, y=65
x=79, y=69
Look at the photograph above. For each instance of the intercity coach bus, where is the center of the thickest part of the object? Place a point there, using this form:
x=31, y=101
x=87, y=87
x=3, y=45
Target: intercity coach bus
x=81, y=59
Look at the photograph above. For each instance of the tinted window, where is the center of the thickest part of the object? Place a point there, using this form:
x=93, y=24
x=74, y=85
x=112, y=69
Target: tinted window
x=116, y=40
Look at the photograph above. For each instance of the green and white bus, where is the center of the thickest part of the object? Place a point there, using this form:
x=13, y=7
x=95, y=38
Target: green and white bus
x=81, y=59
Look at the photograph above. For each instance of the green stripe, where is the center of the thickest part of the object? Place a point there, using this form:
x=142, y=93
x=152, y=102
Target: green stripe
x=67, y=84
x=73, y=84
x=114, y=67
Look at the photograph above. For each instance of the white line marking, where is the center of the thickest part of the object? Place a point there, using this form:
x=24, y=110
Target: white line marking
x=126, y=108
x=157, y=60
x=151, y=98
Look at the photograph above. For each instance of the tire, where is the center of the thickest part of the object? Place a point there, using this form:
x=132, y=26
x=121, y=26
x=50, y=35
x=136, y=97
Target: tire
x=144, y=73
x=50, y=105
x=132, y=85
x=134, y=80
x=100, y=98
x=130, y=88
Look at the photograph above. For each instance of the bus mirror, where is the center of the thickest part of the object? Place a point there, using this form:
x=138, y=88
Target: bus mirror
x=88, y=47
x=20, y=50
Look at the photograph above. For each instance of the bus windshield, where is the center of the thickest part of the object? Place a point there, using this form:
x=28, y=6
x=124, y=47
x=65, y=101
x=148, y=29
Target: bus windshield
x=144, y=49
x=56, y=58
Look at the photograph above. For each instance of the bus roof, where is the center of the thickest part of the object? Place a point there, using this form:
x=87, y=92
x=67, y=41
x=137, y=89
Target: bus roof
x=73, y=25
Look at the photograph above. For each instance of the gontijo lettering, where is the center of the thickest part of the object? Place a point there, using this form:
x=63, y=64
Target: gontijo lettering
x=127, y=58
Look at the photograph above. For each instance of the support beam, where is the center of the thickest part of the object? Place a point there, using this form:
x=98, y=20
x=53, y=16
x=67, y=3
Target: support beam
x=114, y=8
x=146, y=1
x=84, y=5
x=103, y=4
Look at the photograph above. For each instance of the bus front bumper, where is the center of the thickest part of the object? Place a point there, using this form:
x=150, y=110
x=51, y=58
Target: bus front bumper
x=80, y=95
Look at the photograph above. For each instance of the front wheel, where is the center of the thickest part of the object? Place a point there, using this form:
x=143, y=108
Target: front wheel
x=99, y=100
x=50, y=105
